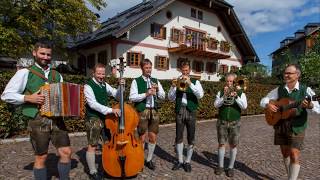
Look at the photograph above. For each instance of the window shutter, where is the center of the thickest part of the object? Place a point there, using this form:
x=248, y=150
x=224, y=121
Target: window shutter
x=163, y=32
x=172, y=34
x=181, y=36
x=142, y=57
x=202, y=66
x=193, y=65
x=156, y=63
x=128, y=58
x=152, y=29
x=214, y=67
x=167, y=63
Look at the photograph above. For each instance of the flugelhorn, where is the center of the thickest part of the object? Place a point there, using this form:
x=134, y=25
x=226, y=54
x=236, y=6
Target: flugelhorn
x=240, y=84
x=181, y=83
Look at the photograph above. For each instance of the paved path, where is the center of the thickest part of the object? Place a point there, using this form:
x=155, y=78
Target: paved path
x=257, y=157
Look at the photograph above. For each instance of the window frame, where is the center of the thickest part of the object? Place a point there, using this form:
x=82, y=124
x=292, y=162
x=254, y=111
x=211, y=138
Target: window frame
x=138, y=55
x=211, y=67
x=165, y=62
x=162, y=31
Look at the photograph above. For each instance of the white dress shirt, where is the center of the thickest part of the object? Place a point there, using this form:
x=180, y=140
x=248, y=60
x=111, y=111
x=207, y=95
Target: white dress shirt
x=196, y=89
x=136, y=97
x=241, y=101
x=273, y=95
x=13, y=93
x=92, y=101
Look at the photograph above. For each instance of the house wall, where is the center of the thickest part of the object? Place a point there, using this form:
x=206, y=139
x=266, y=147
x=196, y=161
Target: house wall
x=181, y=17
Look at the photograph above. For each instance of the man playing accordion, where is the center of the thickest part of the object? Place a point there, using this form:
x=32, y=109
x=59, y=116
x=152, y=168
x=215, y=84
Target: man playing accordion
x=23, y=89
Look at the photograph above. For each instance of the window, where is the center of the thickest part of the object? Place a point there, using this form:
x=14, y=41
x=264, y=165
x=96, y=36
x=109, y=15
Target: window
x=223, y=69
x=180, y=61
x=225, y=46
x=211, y=67
x=176, y=35
x=161, y=63
x=82, y=63
x=91, y=59
x=193, y=13
x=169, y=14
x=195, y=38
x=102, y=57
x=158, y=31
x=200, y=15
x=213, y=43
x=197, y=66
x=134, y=58
x=234, y=69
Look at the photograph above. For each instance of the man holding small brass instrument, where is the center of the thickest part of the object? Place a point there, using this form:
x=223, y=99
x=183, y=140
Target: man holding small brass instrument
x=230, y=101
x=186, y=92
x=23, y=89
x=289, y=133
x=145, y=92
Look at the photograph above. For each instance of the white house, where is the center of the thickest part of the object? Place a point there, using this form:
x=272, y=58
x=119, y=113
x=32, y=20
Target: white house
x=205, y=32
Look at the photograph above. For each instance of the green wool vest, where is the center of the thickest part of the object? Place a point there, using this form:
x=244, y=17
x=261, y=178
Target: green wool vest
x=142, y=88
x=33, y=85
x=192, y=101
x=231, y=112
x=101, y=96
x=299, y=122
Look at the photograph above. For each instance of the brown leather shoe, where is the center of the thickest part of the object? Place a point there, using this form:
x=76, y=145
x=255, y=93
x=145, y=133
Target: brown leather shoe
x=230, y=172
x=218, y=171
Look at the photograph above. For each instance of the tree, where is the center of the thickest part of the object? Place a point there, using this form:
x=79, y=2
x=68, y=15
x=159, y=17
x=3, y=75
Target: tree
x=22, y=22
x=310, y=65
x=254, y=70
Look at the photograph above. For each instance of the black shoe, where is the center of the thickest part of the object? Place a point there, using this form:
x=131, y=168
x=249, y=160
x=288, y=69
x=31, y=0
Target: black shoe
x=187, y=167
x=230, y=172
x=150, y=165
x=95, y=176
x=177, y=166
x=218, y=171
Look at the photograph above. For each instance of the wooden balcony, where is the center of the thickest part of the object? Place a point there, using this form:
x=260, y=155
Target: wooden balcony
x=197, y=46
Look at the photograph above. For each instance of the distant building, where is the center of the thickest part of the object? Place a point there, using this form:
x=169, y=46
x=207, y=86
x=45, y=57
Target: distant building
x=298, y=45
x=207, y=33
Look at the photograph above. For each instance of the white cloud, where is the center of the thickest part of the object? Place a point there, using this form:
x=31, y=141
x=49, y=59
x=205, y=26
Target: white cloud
x=310, y=11
x=266, y=16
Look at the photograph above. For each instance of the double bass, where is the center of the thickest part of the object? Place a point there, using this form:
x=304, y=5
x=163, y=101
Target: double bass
x=123, y=155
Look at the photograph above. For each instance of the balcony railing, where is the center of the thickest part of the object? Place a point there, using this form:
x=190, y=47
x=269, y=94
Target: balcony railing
x=198, y=41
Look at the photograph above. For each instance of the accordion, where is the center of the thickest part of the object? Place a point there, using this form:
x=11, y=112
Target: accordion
x=63, y=100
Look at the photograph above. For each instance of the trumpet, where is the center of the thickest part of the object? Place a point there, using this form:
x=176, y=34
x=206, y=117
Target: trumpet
x=181, y=83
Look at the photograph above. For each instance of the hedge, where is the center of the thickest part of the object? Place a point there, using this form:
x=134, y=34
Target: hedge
x=13, y=123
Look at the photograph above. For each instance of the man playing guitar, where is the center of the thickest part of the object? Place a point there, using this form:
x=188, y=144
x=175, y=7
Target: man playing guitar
x=289, y=133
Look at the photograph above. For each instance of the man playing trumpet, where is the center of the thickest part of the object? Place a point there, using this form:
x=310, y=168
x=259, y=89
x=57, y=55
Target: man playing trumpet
x=230, y=101
x=186, y=98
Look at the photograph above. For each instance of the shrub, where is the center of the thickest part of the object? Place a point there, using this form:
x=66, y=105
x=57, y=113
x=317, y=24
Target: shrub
x=13, y=123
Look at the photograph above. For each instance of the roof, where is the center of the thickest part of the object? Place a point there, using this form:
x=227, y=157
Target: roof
x=116, y=26
x=294, y=40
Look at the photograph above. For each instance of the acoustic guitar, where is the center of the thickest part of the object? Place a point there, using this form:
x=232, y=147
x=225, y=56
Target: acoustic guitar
x=287, y=109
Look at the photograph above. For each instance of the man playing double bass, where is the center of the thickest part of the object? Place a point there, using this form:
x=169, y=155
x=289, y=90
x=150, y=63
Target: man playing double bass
x=97, y=93
x=23, y=89
x=186, y=105
x=289, y=133
x=145, y=92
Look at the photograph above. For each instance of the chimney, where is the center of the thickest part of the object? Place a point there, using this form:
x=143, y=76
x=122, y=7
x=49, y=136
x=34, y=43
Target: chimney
x=298, y=34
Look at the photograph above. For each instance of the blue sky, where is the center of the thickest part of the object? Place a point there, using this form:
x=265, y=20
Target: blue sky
x=265, y=22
